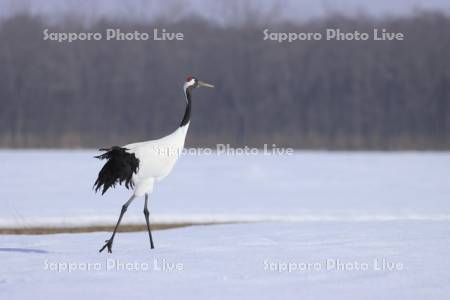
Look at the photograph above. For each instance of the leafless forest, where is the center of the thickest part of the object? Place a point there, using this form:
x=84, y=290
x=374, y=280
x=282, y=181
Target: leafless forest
x=309, y=94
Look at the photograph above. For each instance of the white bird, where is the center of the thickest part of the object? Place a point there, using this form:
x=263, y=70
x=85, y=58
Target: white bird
x=140, y=165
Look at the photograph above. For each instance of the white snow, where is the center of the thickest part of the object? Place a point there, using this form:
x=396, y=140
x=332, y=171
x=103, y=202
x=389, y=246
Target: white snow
x=55, y=188
x=361, y=211
x=245, y=261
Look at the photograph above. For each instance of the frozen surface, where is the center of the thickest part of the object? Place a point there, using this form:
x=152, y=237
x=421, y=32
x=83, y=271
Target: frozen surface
x=332, y=216
x=55, y=188
x=244, y=261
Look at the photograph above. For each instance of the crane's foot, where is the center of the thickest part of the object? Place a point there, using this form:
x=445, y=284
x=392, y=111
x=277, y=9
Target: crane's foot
x=108, y=244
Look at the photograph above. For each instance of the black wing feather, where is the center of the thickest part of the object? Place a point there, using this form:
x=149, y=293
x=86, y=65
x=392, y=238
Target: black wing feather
x=119, y=168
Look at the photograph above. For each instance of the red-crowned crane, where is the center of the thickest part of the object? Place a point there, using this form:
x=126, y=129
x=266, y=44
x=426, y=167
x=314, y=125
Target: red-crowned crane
x=140, y=165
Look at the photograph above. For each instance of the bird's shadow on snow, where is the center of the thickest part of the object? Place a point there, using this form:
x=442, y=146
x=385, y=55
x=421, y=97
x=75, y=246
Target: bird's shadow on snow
x=23, y=250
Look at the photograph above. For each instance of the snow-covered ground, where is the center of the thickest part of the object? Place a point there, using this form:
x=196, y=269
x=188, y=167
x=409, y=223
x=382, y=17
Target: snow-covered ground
x=333, y=260
x=348, y=225
x=55, y=188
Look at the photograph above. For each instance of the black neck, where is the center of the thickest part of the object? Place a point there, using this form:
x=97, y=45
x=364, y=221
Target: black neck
x=187, y=112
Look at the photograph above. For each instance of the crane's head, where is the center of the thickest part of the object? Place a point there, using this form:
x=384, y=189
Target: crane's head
x=193, y=82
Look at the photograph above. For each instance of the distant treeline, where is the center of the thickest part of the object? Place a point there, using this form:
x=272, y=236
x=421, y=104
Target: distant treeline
x=308, y=94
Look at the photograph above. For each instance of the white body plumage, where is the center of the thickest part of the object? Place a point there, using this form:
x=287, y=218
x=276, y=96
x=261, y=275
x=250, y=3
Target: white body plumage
x=156, y=159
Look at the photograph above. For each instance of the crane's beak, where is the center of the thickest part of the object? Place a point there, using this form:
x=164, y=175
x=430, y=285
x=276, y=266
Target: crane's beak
x=204, y=84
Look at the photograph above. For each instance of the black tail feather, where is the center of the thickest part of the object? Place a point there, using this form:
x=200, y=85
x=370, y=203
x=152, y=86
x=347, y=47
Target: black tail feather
x=119, y=168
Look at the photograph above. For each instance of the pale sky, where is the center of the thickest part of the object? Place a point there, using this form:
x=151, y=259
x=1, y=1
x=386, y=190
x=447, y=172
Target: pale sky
x=220, y=11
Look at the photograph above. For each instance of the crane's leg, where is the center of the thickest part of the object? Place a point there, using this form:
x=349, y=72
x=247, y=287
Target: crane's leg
x=146, y=213
x=111, y=239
